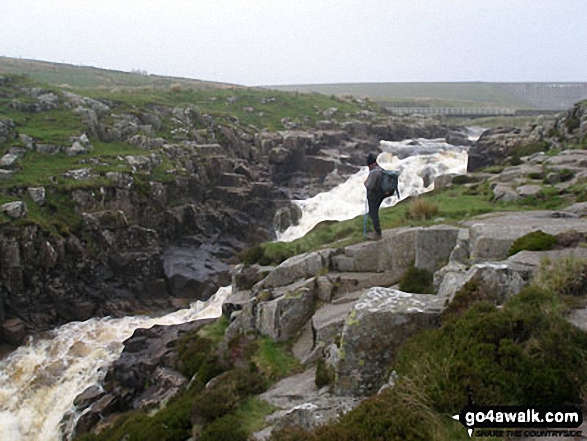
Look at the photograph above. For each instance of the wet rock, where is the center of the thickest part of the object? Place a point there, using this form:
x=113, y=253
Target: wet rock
x=286, y=217
x=194, y=272
x=13, y=331
x=104, y=406
x=165, y=384
x=457, y=138
x=88, y=396
x=139, y=365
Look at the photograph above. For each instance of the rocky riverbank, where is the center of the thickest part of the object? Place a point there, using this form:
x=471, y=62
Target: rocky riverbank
x=143, y=208
x=345, y=316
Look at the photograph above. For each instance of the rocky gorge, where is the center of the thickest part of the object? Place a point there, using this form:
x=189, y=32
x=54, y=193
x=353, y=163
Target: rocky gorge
x=116, y=233
x=342, y=309
x=169, y=227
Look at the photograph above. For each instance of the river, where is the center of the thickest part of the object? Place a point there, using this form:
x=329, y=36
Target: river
x=40, y=380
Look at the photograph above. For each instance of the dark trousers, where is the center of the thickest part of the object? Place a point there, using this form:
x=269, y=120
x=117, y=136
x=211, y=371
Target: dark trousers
x=374, y=204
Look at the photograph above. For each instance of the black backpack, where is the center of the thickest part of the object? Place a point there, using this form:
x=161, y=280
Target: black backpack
x=389, y=183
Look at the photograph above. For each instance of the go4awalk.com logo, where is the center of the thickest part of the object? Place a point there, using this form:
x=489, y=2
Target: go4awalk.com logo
x=518, y=421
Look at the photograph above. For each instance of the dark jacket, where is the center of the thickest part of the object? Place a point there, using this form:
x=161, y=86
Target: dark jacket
x=373, y=183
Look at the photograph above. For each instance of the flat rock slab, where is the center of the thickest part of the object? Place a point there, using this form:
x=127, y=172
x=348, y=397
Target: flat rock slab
x=533, y=259
x=492, y=235
x=302, y=403
x=298, y=267
x=292, y=391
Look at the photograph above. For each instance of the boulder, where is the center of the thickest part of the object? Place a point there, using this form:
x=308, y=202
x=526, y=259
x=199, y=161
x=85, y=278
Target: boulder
x=328, y=321
x=15, y=210
x=194, y=272
x=379, y=324
x=9, y=161
x=434, y=246
x=38, y=195
x=505, y=193
x=457, y=138
x=443, y=181
x=500, y=280
x=284, y=317
x=493, y=147
x=165, y=383
x=76, y=149
x=104, y=406
x=529, y=191
x=393, y=252
x=88, y=396
x=298, y=267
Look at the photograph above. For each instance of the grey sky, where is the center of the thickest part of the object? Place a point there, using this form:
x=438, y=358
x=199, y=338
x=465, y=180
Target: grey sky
x=263, y=42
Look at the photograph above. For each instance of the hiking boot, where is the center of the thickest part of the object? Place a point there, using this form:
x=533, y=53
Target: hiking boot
x=374, y=236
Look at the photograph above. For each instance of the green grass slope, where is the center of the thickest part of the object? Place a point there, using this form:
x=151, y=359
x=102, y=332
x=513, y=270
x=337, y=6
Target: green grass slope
x=60, y=74
x=458, y=94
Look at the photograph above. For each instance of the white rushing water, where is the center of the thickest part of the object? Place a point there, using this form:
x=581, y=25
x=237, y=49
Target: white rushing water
x=347, y=200
x=39, y=381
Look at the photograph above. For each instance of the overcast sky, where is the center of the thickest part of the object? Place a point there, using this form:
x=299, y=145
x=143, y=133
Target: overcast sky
x=270, y=42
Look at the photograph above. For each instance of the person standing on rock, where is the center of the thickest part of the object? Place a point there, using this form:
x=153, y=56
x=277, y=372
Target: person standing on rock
x=374, y=193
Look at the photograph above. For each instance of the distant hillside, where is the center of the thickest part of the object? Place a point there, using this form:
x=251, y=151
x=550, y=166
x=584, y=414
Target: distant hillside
x=512, y=96
x=85, y=77
x=545, y=96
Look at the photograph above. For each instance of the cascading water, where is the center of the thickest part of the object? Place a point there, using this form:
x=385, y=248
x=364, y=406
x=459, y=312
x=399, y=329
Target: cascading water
x=430, y=158
x=39, y=381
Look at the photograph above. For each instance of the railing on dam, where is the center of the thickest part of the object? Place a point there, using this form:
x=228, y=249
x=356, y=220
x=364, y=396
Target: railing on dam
x=453, y=111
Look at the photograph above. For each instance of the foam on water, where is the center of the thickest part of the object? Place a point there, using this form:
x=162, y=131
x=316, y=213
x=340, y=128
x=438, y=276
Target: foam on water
x=39, y=381
x=348, y=199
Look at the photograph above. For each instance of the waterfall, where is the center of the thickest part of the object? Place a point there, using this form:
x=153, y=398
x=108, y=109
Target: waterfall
x=429, y=159
x=39, y=381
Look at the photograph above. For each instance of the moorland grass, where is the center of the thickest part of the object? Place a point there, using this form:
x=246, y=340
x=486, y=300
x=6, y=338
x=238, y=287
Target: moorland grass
x=454, y=204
